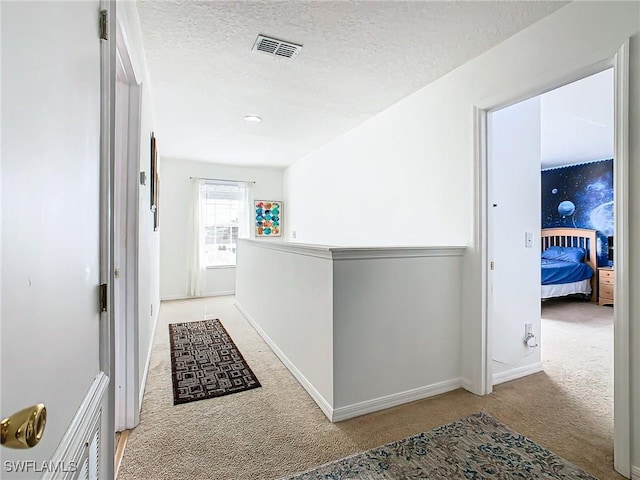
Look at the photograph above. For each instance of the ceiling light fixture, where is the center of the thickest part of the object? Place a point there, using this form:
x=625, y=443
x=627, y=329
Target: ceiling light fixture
x=252, y=118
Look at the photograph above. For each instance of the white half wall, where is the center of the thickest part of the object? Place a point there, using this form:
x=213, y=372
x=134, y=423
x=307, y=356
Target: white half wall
x=287, y=297
x=362, y=329
x=396, y=326
x=175, y=198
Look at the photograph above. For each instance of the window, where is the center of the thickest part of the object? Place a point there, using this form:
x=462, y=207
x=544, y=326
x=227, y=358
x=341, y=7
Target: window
x=224, y=217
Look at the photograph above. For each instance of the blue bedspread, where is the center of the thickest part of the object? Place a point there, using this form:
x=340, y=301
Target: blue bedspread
x=555, y=272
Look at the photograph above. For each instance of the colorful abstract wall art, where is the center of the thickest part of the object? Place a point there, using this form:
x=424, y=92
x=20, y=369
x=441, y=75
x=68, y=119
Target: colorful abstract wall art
x=268, y=218
x=580, y=196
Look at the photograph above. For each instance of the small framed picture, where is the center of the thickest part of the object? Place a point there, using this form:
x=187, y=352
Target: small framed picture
x=268, y=218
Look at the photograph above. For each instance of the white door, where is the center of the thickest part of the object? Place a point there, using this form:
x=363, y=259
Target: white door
x=50, y=247
x=514, y=212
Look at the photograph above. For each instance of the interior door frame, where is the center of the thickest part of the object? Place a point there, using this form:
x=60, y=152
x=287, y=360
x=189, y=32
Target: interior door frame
x=127, y=398
x=622, y=359
x=107, y=151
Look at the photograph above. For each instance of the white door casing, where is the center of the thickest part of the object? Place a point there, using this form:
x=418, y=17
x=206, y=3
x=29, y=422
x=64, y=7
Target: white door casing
x=126, y=197
x=622, y=366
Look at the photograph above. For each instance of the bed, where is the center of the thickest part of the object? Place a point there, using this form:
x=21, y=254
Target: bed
x=568, y=262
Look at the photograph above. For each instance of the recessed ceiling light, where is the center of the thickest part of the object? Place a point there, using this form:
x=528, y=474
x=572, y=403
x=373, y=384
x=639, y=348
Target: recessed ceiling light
x=252, y=118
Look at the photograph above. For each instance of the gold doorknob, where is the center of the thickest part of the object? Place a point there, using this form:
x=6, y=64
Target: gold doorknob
x=24, y=429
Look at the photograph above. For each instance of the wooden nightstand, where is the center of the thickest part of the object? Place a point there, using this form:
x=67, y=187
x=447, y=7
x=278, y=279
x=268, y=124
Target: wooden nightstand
x=606, y=277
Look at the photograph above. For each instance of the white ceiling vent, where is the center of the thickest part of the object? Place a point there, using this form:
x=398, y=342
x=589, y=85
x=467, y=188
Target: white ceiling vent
x=278, y=48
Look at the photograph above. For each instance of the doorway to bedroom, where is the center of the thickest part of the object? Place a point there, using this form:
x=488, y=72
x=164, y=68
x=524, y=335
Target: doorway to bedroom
x=551, y=208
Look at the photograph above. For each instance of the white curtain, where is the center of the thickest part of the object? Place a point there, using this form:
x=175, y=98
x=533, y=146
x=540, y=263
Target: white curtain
x=196, y=264
x=244, y=229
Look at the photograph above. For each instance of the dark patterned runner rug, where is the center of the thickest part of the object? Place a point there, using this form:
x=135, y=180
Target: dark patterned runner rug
x=205, y=363
x=477, y=447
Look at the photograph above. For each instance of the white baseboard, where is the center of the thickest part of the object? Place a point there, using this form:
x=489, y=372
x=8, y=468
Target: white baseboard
x=369, y=406
x=325, y=406
x=467, y=385
x=73, y=448
x=143, y=383
x=221, y=293
x=635, y=473
x=515, y=373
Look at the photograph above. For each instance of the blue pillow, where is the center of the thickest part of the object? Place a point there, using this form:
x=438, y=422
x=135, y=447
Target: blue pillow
x=565, y=254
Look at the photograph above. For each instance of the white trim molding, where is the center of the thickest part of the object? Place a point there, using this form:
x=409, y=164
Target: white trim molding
x=75, y=444
x=319, y=251
x=367, y=253
x=467, y=385
x=382, y=403
x=221, y=293
x=516, y=373
x=324, y=405
x=143, y=382
x=622, y=415
x=635, y=473
x=358, y=253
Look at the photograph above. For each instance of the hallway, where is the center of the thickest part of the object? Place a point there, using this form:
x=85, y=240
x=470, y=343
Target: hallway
x=277, y=430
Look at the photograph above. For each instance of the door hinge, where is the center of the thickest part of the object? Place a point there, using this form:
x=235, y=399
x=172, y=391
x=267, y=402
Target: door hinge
x=103, y=297
x=104, y=25
x=491, y=264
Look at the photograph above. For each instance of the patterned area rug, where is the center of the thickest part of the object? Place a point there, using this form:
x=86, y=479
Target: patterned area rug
x=205, y=362
x=477, y=447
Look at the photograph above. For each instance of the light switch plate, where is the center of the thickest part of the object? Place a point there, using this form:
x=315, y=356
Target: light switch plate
x=528, y=239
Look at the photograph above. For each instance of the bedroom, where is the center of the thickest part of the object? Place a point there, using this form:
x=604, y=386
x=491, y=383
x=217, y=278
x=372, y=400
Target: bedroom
x=557, y=203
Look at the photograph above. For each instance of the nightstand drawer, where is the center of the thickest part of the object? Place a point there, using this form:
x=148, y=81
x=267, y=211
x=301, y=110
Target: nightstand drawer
x=606, y=291
x=605, y=280
x=606, y=274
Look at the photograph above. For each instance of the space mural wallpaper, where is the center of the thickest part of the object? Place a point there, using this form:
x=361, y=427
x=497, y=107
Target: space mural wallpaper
x=580, y=196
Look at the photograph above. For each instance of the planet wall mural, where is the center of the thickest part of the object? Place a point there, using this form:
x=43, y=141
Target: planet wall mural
x=580, y=196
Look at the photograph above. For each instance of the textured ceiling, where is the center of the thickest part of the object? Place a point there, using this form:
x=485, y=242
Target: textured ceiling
x=358, y=59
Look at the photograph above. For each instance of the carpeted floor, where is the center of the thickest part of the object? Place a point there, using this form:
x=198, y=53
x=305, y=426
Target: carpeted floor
x=277, y=430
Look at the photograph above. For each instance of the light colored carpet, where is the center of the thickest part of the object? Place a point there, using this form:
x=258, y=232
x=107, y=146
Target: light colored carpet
x=277, y=430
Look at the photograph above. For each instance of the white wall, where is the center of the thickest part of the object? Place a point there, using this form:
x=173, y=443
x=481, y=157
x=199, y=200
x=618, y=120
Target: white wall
x=398, y=179
x=287, y=296
x=414, y=163
x=514, y=145
x=149, y=241
x=175, y=198
x=396, y=329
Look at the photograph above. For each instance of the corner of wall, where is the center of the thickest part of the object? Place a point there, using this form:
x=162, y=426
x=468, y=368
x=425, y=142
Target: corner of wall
x=143, y=378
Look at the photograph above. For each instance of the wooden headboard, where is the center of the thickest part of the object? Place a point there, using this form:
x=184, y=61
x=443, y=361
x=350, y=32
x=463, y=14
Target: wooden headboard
x=574, y=237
